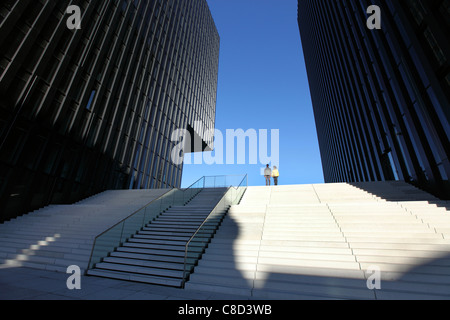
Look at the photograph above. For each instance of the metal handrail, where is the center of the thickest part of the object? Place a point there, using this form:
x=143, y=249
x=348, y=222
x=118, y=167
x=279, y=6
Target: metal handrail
x=206, y=219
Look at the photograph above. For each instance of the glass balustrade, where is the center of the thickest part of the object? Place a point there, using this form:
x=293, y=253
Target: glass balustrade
x=122, y=231
x=115, y=236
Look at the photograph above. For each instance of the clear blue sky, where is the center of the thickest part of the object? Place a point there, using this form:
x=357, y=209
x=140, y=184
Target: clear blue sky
x=263, y=85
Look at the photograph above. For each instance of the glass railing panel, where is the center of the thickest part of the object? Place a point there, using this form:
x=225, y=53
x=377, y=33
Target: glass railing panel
x=221, y=182
x=178, y=198
x=118, y=234
x=152, y=211
x=199, y=241
x=239, y=191
x=209, y=182
x=132, y=225
x=193, y=190
x=166, y=202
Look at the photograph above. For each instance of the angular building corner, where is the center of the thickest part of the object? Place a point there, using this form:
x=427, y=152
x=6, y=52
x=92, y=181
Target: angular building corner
x=381, y=97
x=92, y=109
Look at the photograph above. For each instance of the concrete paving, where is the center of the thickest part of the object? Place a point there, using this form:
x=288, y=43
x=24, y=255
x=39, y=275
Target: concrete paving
x=23, y=283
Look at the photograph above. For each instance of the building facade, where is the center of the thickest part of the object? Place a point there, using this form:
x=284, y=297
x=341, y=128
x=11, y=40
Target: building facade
x=381, y=96
x=88, y=109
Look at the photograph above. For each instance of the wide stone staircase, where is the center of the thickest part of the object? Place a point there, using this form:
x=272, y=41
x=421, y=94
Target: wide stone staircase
x=156, y=253
x=327, y=241
x=321, y=241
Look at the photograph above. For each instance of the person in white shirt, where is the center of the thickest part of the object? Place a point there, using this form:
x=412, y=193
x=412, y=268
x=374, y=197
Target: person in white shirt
x=267, y=175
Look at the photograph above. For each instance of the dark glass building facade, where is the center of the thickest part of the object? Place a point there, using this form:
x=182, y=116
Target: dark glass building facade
x=91, y=109
x=381, y=97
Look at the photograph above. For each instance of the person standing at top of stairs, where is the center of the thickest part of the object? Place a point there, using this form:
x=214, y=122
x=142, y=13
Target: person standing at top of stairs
x=275, y=175
x=267, y=175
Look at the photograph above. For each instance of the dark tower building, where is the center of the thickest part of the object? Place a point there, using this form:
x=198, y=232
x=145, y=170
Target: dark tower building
x=91, y=109
x=381, y=97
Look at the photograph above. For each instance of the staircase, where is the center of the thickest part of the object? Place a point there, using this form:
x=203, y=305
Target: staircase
x=320, y=241
x=156, y=254
x=59, y=236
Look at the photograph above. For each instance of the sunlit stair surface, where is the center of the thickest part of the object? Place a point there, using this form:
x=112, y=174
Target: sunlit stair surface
x=156, y=254
x=58, y=236
x=327, y=241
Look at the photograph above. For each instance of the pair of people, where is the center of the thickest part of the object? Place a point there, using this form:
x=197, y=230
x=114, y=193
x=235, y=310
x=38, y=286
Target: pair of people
x=269, y=173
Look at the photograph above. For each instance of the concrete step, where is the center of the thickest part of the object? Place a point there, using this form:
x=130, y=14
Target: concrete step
x=175, y=223
x=408, y=268
x=308, y=256
x=195, y=242
x=175, y=228
x=295, y=237
x=140, y=270
x=399, y=247
x=392, y=240
x=147, y=263
x=166, y=237
x=150, y=257
x=163, y=281
x=239, y=248
x=179, y=225
x=180, y=248
x=157, y=233
x=224, y=280
x=162, y=236
x=285, y=286
x=140, y=250
x=185, y=215
x=377, y=259
x=231, y=290
x=180, y=219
